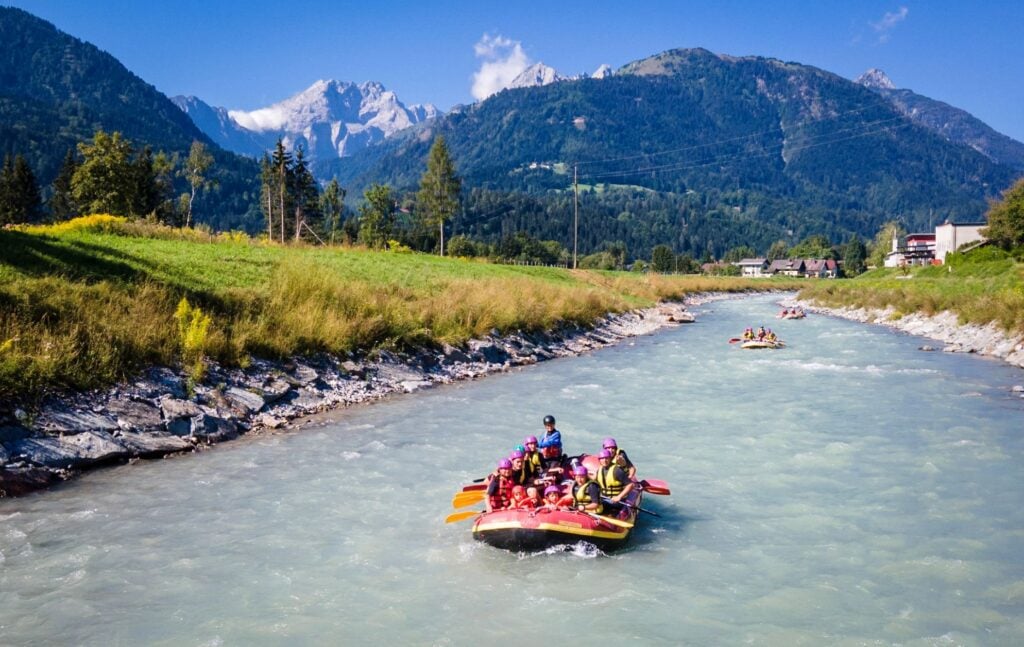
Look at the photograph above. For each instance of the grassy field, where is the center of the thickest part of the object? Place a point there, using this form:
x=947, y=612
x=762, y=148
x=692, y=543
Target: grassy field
x=86, y=304
x=984, y=286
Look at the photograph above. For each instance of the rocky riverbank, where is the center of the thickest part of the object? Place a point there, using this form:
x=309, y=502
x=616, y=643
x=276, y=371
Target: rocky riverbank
x=943, y=327
x=159, y=414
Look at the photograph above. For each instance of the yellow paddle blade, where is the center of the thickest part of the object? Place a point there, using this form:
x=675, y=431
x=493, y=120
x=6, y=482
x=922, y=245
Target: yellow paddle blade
x=462, y=499
x=612, y=521
x=460, y=516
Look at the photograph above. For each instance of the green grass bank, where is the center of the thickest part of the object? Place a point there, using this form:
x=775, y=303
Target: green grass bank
x=87, y=303
x=983, y=286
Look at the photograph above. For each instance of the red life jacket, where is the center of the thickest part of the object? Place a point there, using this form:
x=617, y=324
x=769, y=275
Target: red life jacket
x=504, y=496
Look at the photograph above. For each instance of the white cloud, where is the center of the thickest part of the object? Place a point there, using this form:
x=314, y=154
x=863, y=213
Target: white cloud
x=503, y=59
x=888, y=22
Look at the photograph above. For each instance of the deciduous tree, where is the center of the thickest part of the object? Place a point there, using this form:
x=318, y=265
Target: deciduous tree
x=1006, y=218
x=100, y=184
x=377, y=216
x=196, y=172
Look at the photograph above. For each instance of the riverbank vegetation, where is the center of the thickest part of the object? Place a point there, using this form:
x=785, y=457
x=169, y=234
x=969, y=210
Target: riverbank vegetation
x=87, y=302
x=981, y=286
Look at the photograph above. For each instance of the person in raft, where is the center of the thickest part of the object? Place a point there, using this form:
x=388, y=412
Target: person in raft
x=533, y=457
x=615, y=484
x=533, y=498
x=760, y=333
x=553, y=498
x=519, y=499
x=619, y=457
x=521, y=472
x=748, y=334
x=499, y=489
x=586, y=493
x=552, y=437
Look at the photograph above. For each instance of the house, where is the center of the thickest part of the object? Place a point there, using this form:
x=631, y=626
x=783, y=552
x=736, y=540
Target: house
x=951, y=236
x=831, y=269
x=918, y=249
x=753, y=267
x=778, y=266
x=814, y=268
x=787, y=267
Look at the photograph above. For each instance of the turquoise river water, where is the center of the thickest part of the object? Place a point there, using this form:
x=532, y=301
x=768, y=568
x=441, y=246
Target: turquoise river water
x=847, y=490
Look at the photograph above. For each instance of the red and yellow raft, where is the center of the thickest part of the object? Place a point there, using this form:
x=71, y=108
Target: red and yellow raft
x=533, y=530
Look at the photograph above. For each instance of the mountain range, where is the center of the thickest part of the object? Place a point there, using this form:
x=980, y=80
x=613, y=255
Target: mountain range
x=697, y=150
x=329, y=119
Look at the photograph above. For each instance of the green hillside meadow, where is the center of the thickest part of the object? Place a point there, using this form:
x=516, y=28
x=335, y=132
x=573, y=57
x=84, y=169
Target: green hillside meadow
x=86, y=303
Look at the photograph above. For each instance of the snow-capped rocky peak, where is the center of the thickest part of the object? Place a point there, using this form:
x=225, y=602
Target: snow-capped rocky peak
x=602, y=72
x=875, y=79
x=328, y=119
x=536, y=74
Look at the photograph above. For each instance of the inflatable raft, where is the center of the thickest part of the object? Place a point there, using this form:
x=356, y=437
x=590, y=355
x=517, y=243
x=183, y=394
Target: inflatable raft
x=534, y=530
x=755, y=344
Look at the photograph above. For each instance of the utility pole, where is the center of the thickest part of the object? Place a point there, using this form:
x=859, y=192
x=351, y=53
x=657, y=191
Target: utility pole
x=576, y=212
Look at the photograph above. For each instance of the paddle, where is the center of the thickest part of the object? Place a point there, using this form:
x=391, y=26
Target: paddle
x=609, y=520
x=462, y=499
x=655, y=486
x=734, y=340
x=474, y=488
x=460, y=516
x=632, y=505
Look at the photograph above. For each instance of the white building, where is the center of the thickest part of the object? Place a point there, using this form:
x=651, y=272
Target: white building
x=753, y=267
x=951, y=236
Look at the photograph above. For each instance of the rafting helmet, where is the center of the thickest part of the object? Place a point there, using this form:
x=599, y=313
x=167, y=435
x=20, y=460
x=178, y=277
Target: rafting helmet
x=549, y=420
x=519, y=448
x=604, y=454
x=504, y=464
x=609, y=443
x=552, y=489
x=581, y=470
x=516, y=454
x=530, y=439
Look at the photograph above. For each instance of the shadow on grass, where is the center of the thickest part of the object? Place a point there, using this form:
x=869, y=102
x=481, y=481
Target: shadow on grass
x=39, y=256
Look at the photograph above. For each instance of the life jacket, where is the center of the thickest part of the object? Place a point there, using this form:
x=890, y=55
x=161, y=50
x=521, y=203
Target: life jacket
x=610, y=486
x=579, y=495
x=527, y=504
x=534, y=460
x=504, y=496
x=524, y=475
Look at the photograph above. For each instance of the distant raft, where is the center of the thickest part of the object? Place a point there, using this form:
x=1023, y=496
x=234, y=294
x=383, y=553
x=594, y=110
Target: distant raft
x=754, y=344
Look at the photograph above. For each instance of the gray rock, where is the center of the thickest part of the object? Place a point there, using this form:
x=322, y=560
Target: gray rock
x=952, y=348
x=79, y=450
x=70, y=421
x=180, y=426
x=244, y=402
x=213, y=429
x=488, y=351
x=152, y=445
x=452, y=355
x=175, y=409
x=275, y=390
x=11, y=434
x=353, y=369
x=303, y=375
x=135, y=416
x=22, y=479
x=269, y=421
x=927, y=348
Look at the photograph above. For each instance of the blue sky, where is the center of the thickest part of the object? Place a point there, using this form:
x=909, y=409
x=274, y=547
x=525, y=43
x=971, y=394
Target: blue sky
x=246, y=55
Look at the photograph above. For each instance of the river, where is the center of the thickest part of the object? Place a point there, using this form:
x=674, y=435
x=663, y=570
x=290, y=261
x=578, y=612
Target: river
x=849, y=489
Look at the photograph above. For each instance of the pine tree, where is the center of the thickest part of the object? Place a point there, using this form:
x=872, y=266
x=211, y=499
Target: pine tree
x=377, y=216
x=62, y=202
x=331, y=206
x=282, y=166
x=438, y=197
x=19, y=192
x=306, y=194
x=853, y=256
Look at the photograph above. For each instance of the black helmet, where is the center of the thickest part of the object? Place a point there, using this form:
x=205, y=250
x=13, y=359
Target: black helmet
x=549, y=420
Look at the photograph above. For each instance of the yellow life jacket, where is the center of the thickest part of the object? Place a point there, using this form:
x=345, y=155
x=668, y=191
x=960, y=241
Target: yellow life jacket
x=610, y=486
x=535, y=462
x=579, y=494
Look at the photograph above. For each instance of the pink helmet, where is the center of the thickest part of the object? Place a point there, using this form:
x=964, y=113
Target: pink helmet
x=581, y=470
x=530, y=439
x=504, y=464
x=609, y=443
x=604, y=454
x=516, y=454
x=552, y=489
